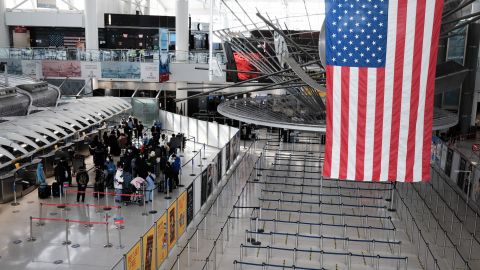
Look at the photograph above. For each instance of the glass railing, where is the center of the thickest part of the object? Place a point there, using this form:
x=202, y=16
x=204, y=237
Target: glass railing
x=127, y=55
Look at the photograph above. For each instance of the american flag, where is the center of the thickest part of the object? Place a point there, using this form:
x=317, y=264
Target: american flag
x=381, y=59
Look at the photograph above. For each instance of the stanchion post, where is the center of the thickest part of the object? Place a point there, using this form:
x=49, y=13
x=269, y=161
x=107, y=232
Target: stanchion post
x=31, y=238
x=168, y=197
x=15, y=203
x=40, y=215
x=145, y=213
x=153, y=211
x=108, y=244
x=120, y=246
x=66, y=242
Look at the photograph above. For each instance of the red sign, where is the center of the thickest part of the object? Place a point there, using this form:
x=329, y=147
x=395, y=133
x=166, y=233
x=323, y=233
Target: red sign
x=476, y=147
x=119, y=221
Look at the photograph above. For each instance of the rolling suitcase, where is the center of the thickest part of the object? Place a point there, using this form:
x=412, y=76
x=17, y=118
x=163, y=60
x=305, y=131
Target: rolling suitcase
x=55, y=189
x=44, y=191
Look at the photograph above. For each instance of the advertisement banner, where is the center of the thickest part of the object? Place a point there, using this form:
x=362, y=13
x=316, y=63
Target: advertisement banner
x=29, y=67
x=204, y=187
x=150, y=72
x=133, y=258
x=209, y=180
x=52, y=68
x=162, y=239
x=148, y=241
x=120, y=70
x=190, y=203
x=172, y=225
x=227, y=156
x=91, y=69
x=182, y=213
x=14, y=66
x=46, y=3
x=234, y=147
x=219, y=166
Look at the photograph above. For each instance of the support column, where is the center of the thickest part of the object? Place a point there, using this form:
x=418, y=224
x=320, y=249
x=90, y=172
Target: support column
x=181, y=30
x=4, y=35
x=91, y=28
x=181, y=94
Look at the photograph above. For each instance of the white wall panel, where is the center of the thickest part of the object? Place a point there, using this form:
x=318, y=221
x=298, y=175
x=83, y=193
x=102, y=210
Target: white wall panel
x=169, y=124
x=212, y=134
x=184, y=124
x=176, y=122
x=197, y=195
x=192, y=128
x=455, y=166
x=46, y=18
x=202, y=132
x=224, y=136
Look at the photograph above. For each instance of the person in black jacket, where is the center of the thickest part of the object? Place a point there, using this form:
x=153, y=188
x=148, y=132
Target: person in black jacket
x=82, y=181
x=61, y=174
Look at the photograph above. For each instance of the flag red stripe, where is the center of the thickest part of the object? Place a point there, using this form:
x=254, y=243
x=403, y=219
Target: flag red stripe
x=379, y=106
x=428, y=116
x=327, y=163
x=415, y=88
x=397, y=88
x=361, y=123
x=345, y=77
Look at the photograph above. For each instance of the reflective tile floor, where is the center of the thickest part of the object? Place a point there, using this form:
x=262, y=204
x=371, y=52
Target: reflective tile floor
x=86, y=250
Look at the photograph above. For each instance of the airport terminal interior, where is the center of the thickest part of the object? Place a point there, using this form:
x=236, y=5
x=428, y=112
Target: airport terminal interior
x=239, y=134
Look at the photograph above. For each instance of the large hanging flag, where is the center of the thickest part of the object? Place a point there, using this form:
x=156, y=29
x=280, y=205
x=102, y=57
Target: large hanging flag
x=381, y=57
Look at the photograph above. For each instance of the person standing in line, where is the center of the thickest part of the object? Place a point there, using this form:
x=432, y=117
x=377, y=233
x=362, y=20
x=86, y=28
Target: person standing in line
x=150, y=180
x=82, y=182
x=176, y=167
x=41, y=179
x=118, y=182
x=111, y=169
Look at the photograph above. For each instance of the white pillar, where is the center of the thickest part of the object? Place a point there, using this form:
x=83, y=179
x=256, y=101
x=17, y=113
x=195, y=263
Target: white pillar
x=91, y=28
x=4, y=35
x=181, y=31
x=181, y=94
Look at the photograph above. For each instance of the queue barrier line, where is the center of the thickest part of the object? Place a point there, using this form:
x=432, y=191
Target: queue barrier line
x=324, y=203
x=335, y=180
x=277, y=170
x=321, y=195
x=80, y=205
x=235, y=262
x=296, y=165
x=326, y=252
x=104, y=193
x=324, y=213
x=71, y=220
x=327, y=224
x=317, y=186
x=328, y=237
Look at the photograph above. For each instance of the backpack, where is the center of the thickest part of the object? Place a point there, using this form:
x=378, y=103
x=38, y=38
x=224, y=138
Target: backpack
x=82, y=178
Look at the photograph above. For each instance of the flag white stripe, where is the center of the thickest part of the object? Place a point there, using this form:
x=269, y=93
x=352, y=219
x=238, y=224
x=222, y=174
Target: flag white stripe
x=388, y=94
x=352, y=122
x=370, y=123
x=406, y=89
x=426, y=48
x=336, y=120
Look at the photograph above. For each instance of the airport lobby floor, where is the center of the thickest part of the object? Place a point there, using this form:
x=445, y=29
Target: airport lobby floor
x=87, y=248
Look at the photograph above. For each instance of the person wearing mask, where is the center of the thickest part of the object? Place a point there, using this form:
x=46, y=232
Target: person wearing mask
x=82, y=182
x=150, y=181
x=111, y=169
x=118, y=182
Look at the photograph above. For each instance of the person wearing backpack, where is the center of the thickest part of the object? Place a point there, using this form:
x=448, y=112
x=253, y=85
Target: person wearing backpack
x=82, y=181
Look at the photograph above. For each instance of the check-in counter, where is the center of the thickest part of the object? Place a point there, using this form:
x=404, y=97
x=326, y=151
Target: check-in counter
x=7, y=187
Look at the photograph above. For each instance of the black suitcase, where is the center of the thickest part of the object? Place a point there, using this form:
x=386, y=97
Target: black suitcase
x=55, y=189
x=44, y=191
x=98, y=187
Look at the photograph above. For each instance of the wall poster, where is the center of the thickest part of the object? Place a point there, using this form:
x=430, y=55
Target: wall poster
x=121, y=70
x=219, y=167
x=148, y=241
x=91, y=69
x=204, y=187
x=133, y=258
x=162, y=239
x=190, y=203
x=150, y=72
x=182, y=213
x=53, y=68
x=172, y=225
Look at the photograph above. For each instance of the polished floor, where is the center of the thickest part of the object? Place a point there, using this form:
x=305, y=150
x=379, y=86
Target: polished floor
x=86, y=250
